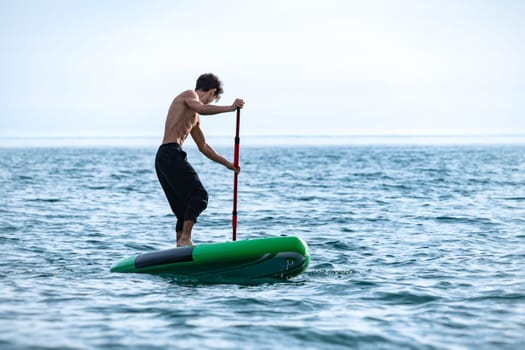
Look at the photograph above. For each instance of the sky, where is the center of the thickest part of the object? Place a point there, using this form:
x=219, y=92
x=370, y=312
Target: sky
x=375, y=67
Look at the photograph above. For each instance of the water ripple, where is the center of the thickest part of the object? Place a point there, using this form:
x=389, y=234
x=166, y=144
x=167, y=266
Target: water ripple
x=412, y=248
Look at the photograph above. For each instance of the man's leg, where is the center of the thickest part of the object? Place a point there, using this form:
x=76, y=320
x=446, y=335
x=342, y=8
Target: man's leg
x=185, y=235
x=167, y=169
x=179, y=228
x=185, y=193
x=196, y=204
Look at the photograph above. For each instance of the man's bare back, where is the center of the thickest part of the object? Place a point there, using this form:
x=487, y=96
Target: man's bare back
x=180, y=120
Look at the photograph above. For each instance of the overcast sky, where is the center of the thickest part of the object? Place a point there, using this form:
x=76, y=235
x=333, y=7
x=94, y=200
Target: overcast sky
x=99, y=68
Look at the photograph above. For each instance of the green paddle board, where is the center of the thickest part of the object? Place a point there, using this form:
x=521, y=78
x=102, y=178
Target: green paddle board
x=263, y=258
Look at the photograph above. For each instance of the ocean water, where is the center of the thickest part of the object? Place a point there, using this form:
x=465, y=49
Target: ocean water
x=413, y=247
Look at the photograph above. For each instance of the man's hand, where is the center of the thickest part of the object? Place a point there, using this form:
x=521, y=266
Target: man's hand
x=238, y=103
x=234, y=168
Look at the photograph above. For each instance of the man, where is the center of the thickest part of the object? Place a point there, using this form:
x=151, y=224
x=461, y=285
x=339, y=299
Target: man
x=186, y=195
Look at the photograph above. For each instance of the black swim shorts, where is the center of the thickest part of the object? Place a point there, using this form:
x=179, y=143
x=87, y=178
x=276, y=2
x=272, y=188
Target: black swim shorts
x=181, y=184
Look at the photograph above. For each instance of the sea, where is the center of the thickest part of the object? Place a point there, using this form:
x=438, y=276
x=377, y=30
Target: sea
x=416, y=243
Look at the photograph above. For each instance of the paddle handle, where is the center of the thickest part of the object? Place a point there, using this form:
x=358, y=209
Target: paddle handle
x=236, y=155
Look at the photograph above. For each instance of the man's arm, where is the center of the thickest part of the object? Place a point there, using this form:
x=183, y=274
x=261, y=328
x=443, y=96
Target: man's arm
x=207, y=150
x=193, y=102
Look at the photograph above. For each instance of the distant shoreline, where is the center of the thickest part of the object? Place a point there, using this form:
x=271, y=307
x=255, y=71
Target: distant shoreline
x=266, y=140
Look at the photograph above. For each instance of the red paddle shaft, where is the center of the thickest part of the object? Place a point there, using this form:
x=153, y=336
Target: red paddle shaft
x=236, y=175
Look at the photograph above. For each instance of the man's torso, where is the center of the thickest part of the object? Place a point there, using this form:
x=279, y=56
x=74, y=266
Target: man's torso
x=180, y=120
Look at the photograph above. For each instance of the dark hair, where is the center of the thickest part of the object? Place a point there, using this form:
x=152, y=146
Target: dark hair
x=209, y=81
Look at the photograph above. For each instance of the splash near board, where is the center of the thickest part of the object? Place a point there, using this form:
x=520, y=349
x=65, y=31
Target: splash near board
x=262, y=258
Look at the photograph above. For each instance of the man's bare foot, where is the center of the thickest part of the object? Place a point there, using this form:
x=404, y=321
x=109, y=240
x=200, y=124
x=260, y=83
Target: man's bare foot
x=184, y=243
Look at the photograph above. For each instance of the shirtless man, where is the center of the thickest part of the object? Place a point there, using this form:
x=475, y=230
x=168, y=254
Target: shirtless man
x=186, y=195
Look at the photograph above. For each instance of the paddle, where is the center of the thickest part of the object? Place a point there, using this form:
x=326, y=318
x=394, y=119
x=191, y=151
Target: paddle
x=236, y=175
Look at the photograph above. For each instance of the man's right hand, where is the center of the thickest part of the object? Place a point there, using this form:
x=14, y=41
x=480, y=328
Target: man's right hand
x=238, y=103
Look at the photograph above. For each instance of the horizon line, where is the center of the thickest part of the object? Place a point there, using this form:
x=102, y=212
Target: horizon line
x=265, y=135
x=268, y=140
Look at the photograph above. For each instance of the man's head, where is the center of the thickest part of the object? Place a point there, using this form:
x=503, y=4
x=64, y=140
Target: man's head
x=210, y=83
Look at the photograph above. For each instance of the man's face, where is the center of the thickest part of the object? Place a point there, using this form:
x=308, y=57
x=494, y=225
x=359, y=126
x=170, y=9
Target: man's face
x=209, y=97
